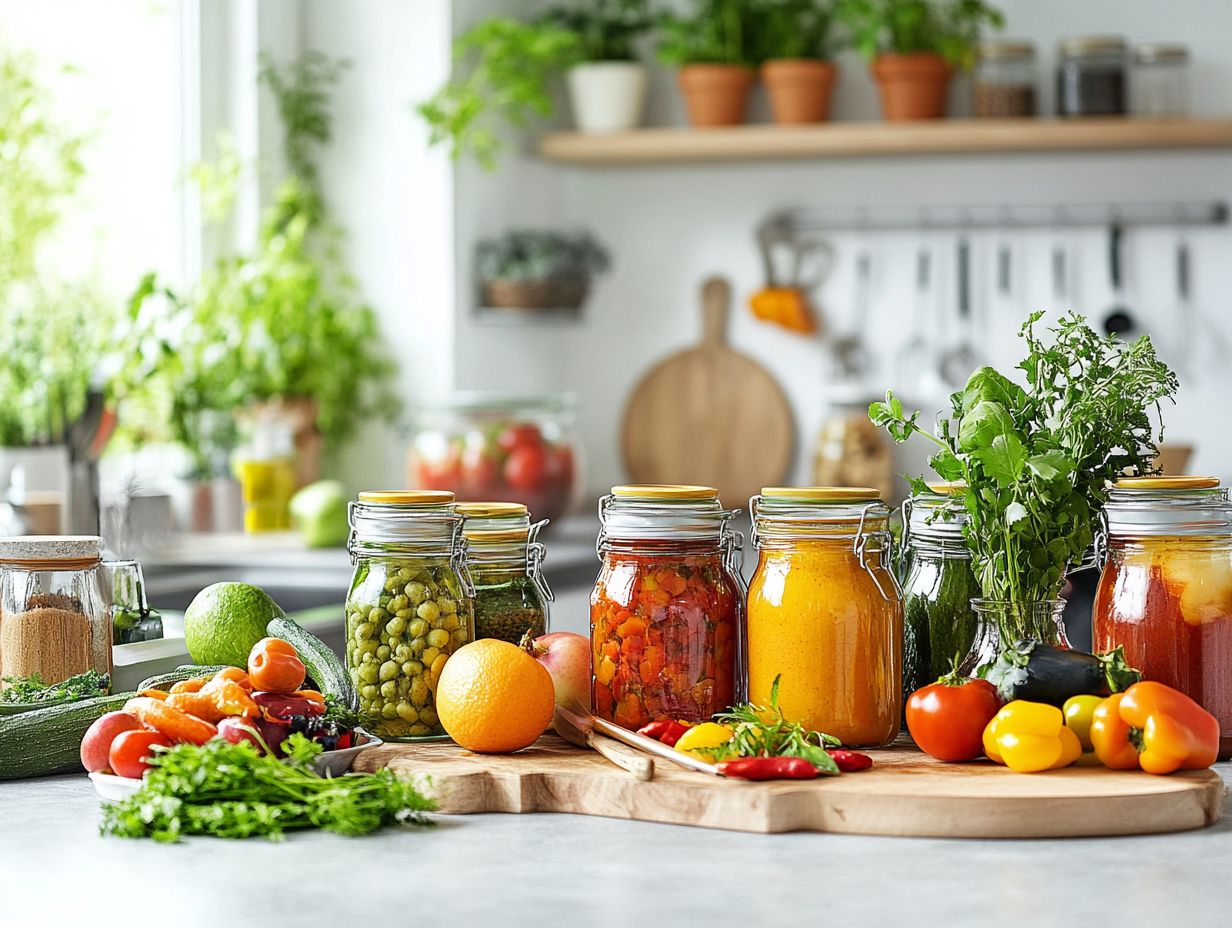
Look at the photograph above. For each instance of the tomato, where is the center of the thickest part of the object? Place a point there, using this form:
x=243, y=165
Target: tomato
x=558, y=468
x=520, y=435
x=274, y=666
x=438, y=473
x=96, y=745
x=947, y=718
x=131, y=749
x=525, y=468
x=479, y=470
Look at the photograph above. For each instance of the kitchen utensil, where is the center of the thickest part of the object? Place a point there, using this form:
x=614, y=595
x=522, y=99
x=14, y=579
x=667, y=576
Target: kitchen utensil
x=709, y=415
x=793, y=266
x=1119, y=320
x=917, y=354
x=904, y=793
x=570, y=728
x=1060, y=276
x=850, y=352
x=583, y=720
x=960, y=359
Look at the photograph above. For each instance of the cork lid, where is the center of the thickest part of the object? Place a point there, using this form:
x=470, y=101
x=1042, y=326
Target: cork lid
x=48, y=551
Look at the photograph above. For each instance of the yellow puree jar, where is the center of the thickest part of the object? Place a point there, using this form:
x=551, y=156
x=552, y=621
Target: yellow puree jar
x=825, y=615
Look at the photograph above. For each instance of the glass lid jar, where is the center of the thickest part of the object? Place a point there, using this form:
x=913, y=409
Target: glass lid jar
x=505, y=561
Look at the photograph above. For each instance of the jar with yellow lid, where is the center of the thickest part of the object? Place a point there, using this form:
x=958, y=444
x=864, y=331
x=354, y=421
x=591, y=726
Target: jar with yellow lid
x=1165, y=586
x=410, y=606
x=667, y=610
x=824, y=613
x=505, y=560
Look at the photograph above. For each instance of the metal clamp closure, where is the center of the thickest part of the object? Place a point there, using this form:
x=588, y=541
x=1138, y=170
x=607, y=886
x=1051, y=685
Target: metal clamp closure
x=860, y=547
x=536, y=551
x=1099, y=555
x=457, y=560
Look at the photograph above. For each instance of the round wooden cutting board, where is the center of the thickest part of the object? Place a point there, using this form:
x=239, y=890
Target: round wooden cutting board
x=709, y=415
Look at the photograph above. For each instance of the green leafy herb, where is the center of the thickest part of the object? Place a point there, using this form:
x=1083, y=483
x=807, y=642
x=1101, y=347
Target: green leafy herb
x=232, y=791
x=796, y=29
x=606, y=29
x=949, y=28
x=717, y=32
x=33, y=691
x=336, y=710
x=528, y=254
x=761, y=731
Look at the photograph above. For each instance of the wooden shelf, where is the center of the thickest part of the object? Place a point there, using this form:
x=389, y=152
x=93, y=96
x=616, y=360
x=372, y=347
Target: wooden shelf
x=842, y=140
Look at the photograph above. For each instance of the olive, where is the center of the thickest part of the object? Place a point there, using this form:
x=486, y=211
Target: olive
x=403, y=652
x=450, y=622
x=407, y=712
x=419, y=728
x=368, y=647
x=447, y=606
x=460, y=636
x=368, y=691
x=398, y=603
x=389, y=711
x=412, y=668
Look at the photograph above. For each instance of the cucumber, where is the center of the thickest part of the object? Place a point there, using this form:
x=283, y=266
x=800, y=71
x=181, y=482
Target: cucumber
x=323, y=666
x=47, y=741
x=162, y=681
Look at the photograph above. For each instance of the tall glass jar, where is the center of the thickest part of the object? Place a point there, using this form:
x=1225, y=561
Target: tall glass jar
x=1165, y=590
x=506, y=564
x=410, y=606
x=1159, y=81
x=54, y=620
x=1003, y=81
x=1091, y=76
x=667, y=610
x=825, y=617
x=940, y=627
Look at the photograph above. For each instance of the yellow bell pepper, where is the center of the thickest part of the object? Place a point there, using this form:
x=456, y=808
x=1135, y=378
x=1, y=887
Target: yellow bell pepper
x=1029, y=737
x=699, y=740
x=1078, y=712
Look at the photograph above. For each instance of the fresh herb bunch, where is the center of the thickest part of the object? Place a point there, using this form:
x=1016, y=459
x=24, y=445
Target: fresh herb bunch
x=796, y=29
x=761, y=731
x=337, y=710
x=233, y=791
x=32, y=690
x=949, y=28
x=717, y=32
x=1038, y=462
x=606, y=29
x=526, y=254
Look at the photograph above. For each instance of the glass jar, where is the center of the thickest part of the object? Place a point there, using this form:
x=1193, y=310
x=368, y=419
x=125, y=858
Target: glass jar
x=506, y=565
x=1004, y=80
x=1159, y=81
x=825, y=617
x=1165, y=587
x=1091, y=76
x=493, y=447
x=850, y=450
x=409, y=607
x=132, y=619
x=53, y=616
x=939, y=626
x=667, y=610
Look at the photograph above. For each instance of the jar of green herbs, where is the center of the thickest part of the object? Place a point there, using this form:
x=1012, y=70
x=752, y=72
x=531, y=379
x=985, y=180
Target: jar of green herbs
x=506, y=564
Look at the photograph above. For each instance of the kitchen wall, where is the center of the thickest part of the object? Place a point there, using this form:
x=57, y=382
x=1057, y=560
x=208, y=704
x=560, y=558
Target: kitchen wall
x=670, y=226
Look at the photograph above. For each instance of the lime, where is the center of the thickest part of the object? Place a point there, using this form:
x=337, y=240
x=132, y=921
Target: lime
x=225, y=620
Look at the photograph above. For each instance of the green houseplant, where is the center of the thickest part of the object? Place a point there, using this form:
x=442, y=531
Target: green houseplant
x=529, y=269
x=796, y=40
x=714, y=48
x=914, y=47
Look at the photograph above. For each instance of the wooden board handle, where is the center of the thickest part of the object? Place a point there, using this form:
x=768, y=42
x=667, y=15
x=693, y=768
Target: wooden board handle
x=716, y=302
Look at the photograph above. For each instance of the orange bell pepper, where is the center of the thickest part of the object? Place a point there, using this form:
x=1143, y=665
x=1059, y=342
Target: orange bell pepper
x=785, y=306
x=1155, y=728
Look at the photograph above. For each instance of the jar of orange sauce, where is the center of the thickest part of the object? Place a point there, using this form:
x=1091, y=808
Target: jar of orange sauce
x=824, y=613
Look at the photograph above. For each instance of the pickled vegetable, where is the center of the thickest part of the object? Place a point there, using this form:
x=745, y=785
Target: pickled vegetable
x=507, y=605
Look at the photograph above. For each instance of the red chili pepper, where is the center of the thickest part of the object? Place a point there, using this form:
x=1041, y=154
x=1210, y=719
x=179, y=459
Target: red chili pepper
x=850, y=761
x=768, y=768
x=668, y=731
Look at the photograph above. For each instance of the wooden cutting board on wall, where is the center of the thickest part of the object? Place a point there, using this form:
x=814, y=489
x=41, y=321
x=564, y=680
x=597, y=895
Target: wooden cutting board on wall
x=710, y=415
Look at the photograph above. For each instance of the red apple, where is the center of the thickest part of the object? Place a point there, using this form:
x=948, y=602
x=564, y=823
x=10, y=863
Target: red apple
x=566, y=656
x=96, y=745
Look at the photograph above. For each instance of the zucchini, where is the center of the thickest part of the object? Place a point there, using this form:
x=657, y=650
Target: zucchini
x=162, y=681
x=323, y=666
x=47, y=741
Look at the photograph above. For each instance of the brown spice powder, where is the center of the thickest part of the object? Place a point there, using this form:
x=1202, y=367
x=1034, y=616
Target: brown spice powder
x=50, y=638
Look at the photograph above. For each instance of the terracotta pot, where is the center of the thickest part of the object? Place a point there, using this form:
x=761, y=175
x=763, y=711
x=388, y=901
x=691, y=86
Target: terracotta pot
x=715, y=94
x=799, y=89
x=912, y=86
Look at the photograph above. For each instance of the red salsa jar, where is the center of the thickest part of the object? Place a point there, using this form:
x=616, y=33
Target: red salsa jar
x=1165, y=591
x=667, y=611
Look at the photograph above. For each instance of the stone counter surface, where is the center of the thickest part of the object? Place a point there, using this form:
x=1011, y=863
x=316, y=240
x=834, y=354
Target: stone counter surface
x=542, y=870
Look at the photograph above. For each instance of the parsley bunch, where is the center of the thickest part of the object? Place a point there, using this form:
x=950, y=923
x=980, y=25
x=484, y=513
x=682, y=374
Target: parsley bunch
x=32, y=691
x=761, y=731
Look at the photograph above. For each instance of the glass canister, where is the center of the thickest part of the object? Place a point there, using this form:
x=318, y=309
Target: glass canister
x=409, y=607
x=824, y=613
x=1091, y=76
x=132, y=619
x=54, y=620
x=1159, y=80
x=940, y=628
x=1004, y=80
x=1165, y=589
x=506, y=565
x=667, y=610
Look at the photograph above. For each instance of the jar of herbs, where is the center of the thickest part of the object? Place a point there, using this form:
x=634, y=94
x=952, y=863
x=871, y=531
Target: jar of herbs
x=54, y=620
x=939, y=626
x=505, y=560
x=409, y=608
x=1004, y=80
x=1091, y=76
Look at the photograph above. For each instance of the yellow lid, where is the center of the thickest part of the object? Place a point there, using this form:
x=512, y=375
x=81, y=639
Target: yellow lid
x=407, y=497
x=664, y=491
x=497, y=536
x=491, y=510
x=1163, y=482
x=947, y=487
x=822, y=494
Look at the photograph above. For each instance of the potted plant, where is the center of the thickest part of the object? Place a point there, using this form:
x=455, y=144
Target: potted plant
x=914, y=47
x=527, y=269
x=795, y=38
x=714, y=51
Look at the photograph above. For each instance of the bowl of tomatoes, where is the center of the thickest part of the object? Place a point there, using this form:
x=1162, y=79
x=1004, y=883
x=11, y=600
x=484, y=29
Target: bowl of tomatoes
x=496, y=448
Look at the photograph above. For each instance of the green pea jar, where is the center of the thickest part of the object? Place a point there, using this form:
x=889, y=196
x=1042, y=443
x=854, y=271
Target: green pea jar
x=410, y=606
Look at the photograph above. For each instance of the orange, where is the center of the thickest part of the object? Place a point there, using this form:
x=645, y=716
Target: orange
x=494, y=698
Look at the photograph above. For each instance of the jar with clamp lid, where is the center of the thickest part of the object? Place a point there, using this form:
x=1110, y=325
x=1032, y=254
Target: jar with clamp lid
x=505, y=560
x=410, y=606
x=1165, y=586
x=667, y=610
x=825, y=617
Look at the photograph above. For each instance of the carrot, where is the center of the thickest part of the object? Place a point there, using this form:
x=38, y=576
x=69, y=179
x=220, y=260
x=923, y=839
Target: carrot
x=189, y=686
x=153, y=694
x=169, y=721
x=202, y=705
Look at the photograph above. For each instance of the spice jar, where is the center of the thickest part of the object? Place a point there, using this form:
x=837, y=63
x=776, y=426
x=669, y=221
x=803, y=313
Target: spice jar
x=506, y=565
x=824, y=615
x=53, y=617
x=939, y=626
x=1004, y=80
x=1165, y=588
x=1091, y=76
x=666, y=613
x=410, y=606
x=1159, y=81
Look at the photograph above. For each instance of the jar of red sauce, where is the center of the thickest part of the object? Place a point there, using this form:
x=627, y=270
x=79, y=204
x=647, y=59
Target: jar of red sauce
x=1165, y=591
x=667, y=611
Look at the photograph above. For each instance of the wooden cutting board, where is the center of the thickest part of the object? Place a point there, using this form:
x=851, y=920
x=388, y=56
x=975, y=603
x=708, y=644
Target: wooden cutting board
x=709, y=415
x=905, y=793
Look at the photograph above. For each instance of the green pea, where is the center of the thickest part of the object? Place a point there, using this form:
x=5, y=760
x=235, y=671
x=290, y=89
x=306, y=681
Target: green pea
x=368, y=647
x=389, y=711
x=364, y=629
x=412, y=668
x=407, y=712
x=419, y=691
x=418, y=644
x=430, y=655
x=447, y=606
x=389, y=689
x=395, y=626
x=377, y=614
x=419, y=729
x=368, y=673
x=438, y=638
x=414, y=593
x=428, y=611
x=427, y=715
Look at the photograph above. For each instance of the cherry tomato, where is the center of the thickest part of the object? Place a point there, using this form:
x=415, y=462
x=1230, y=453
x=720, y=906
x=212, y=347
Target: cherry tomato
x=947, y=718
x=274, y=666
x=479, y=470
x=525, y=468
x=520, y=435
x=438, y=473
x=558, y=468
x=130, y=751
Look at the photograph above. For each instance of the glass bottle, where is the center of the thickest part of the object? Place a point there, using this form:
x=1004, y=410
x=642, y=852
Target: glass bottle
x=506, y=564
x=132, y=619
x=409, y=607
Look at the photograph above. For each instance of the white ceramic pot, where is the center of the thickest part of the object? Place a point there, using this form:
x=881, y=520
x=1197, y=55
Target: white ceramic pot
x=607, y=96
